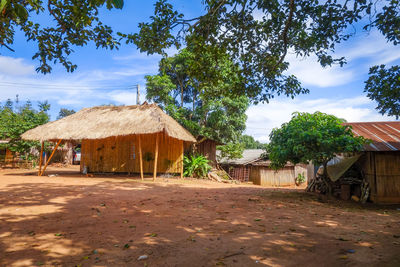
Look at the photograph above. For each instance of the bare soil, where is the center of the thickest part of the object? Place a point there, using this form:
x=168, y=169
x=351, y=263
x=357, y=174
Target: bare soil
x=74, y=220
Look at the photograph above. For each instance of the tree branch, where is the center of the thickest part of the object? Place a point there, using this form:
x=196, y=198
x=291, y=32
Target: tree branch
x=285, y=31
x=60, y=22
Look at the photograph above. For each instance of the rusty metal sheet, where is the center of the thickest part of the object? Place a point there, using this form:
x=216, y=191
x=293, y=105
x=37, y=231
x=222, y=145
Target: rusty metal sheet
x=385, y=136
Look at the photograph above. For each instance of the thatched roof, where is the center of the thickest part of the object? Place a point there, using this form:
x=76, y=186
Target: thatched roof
x=107, y=121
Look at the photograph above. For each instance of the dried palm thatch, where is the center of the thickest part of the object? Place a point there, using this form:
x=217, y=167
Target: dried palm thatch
x=106, y=121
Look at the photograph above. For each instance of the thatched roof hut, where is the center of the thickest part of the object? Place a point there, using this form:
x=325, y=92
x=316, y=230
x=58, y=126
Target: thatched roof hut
x=107, y=121
x=113, y=136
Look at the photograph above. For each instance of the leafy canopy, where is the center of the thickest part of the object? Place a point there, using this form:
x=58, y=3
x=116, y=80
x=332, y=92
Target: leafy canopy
x=383, y=86
x=181, y=92
x=15, y=120
x=256, y=36
x=250, y=143
x=316, y=138
x=64, y=112
x=259, y=34
x=75, y=23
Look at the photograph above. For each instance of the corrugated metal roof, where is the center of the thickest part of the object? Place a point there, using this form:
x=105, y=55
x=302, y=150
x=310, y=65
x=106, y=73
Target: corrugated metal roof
x=249, y=156
x=385, y=136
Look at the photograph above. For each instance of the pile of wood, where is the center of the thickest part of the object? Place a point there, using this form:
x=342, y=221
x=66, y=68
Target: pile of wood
x=318, y=184
x=221, y=176
x=322, y=186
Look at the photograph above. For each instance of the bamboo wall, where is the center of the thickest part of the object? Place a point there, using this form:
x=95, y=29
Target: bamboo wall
x=382, y=171
x=208, y=148
x=121, y=154
x=265, y=176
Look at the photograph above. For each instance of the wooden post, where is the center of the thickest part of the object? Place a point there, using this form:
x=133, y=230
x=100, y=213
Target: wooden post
x=182, y=161
x=140, y=159
x=155, y=159
x=48, y=161
x=41, y=159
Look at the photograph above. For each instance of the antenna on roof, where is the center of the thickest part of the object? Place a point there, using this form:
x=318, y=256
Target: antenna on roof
x=138, y=94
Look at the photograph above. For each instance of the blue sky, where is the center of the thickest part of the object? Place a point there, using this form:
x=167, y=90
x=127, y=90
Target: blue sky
x=108, y=77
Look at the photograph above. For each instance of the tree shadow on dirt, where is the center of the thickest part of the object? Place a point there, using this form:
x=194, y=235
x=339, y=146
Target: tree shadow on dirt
x=112, y=223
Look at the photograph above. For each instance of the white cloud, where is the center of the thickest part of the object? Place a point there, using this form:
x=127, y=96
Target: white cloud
x=373, y=48
x=124, y=97
x=310, y=72
x=264, y=117
x=15, y=66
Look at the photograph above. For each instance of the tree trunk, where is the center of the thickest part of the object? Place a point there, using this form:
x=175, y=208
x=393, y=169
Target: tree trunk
x=326, y=179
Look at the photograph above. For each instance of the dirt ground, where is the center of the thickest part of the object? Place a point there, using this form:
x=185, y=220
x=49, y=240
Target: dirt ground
x=73, y=220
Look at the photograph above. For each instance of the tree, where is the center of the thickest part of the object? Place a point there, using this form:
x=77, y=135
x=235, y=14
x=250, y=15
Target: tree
x=76, y=23
x=383, y=86
x=250, y=143
x=179, y=90
x=64, y=112
x=315, y=138
x=14, y=121
x=230, y=151
x=258, y=35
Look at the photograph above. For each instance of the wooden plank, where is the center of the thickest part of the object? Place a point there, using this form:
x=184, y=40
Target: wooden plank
x=181, y=160
x=41, y=158
x=48, y=161
x=140, y=158
x=155, y=159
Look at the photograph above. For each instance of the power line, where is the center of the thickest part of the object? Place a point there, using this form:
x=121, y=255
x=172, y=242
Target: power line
x=66, y=87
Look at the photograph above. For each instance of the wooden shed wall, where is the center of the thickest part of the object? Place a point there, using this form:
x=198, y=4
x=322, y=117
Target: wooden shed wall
x=265, y=176
x=121, y=154
x=208, y=148
x=382, y=171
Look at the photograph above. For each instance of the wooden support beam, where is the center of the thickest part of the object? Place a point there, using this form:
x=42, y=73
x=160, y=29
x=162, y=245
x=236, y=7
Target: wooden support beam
x=155, y=159
x=182, y=160
x=41, y=159
x=48, y=161
x=140, y=158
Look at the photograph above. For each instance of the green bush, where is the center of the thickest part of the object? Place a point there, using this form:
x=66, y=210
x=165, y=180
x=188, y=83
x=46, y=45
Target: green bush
x=300, y=179
x=196, y=166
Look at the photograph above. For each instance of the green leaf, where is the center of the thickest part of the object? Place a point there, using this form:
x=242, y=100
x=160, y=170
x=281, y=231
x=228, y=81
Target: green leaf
x=21, y=12
x=3, y=4
x=118, y=4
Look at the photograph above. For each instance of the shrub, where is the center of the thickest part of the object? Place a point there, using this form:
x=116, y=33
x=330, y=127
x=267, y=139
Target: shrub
x=300, y=179
x=196, y=166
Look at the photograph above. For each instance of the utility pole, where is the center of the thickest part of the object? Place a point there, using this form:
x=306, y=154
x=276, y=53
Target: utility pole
x=138, y=94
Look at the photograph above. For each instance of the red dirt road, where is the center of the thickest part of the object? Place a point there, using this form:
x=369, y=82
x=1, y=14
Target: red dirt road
x=72, y=220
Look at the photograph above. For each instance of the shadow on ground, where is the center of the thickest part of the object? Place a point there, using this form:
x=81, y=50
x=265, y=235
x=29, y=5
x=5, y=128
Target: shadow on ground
x=69, y=220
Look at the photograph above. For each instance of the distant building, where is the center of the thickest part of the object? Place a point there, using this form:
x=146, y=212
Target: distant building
x=251, y=167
